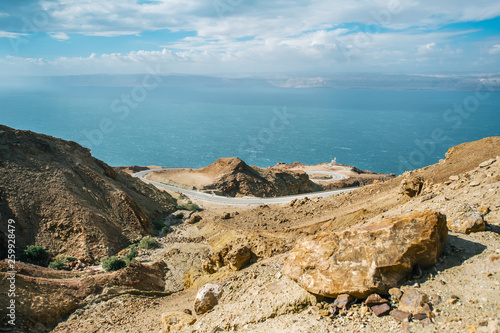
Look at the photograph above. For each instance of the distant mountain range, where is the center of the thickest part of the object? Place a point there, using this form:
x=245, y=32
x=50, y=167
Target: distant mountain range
x=369, y=81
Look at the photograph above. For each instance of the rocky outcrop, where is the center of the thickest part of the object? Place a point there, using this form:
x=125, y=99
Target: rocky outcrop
x=45, y=295
x=235, y=178
x=367, y=259
x=411, y=186
x=234, y=256
x=69, y=202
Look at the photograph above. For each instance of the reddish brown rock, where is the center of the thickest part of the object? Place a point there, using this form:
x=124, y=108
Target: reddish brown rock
x=401, y=316
x=381, y=309
x=343, y=301
x=368, y=259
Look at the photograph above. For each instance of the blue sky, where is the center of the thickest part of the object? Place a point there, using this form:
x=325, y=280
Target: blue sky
x=249, y=37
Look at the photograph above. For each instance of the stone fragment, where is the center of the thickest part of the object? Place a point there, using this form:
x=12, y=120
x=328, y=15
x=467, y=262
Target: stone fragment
x=484, y=210
x=207, y=298
x=175, y=320
x=435, y=299
x=375, y=299
x=487, y=163
x=381, y=309
x=471, y=329
x=469, y=220
x=400, y=316
x=343, y=301
x=396, y=294
x=329, y=265
x=454, y=178
x=238, y=257
x=413, y=301
x=324, y=313
x=419, y=316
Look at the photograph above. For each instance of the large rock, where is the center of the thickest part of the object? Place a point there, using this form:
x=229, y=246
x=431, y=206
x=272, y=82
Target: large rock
x=207, y=297
x=367, y=259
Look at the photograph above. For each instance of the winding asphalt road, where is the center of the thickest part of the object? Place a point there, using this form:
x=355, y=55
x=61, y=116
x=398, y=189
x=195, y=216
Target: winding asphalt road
x=237, y=201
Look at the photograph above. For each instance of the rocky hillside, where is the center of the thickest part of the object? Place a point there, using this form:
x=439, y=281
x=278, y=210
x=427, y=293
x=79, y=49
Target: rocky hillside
x=69, y=202
x=233, y=177
x=418, y=253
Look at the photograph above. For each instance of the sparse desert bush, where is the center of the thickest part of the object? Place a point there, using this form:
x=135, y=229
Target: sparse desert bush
x=36, y=255
x=179, y=216
x=189, y=206
x=59, y=264
x=131, y=255
x=148, y=242
x=113, y=263
x=165, y=230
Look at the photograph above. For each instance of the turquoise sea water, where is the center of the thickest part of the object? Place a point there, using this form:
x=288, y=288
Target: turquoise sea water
x=383, y=131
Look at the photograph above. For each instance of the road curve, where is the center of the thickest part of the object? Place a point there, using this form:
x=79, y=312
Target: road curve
x=233, y=201
x=334, y=175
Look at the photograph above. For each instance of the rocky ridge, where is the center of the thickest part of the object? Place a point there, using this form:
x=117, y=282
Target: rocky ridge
x=69, y=202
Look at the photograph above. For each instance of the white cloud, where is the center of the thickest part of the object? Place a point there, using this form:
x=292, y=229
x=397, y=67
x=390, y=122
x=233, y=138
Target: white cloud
x=60, y=36
x=495, y=49
x=427, y=48
x=323, y=51
x=3, y=15
x=263, y=35
x=7, y=34
x=258, y=17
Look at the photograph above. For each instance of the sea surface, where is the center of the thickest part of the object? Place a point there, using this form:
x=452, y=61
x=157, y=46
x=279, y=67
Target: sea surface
x=383, y=131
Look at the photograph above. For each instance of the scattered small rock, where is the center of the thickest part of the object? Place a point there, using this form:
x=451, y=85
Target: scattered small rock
x=469, y=220
x=400, y=316
x=324, y=313
x=395, y=294
x=413, y=301
x=381, y=309
x=194, y=219
x=435, y=299
x=343, y=301
x=375, y=299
